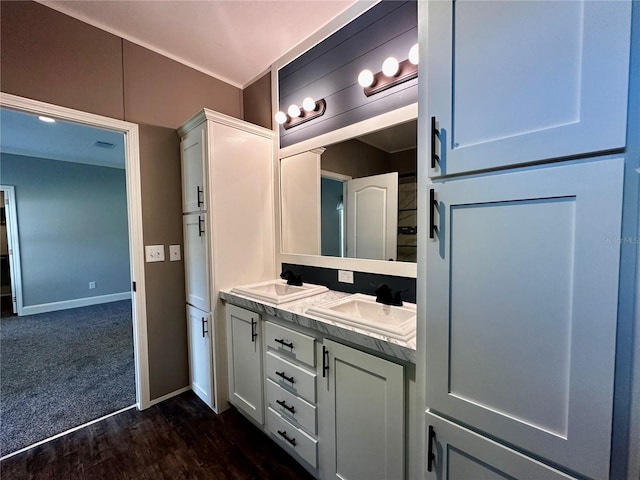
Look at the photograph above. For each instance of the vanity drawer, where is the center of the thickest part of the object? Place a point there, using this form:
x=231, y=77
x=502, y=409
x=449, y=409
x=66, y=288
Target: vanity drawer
x=291, y=343
x=292, y=438
x=291, y=407
x=292, y=377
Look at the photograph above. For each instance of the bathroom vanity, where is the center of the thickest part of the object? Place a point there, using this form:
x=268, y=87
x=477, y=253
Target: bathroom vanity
x=332, y=395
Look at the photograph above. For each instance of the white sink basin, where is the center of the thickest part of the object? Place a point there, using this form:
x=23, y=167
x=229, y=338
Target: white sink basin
x=364, y=312
x=277, y=291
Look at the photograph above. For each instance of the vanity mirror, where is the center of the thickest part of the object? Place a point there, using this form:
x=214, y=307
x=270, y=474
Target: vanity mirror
x=348, y=198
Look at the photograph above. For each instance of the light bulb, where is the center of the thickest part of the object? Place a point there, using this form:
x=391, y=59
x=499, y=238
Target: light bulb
x=309, y=104
x=390, y=67
x=293, y=111
x=46, y=119
x=413, y=54
x=281, y=117
x=365, y=79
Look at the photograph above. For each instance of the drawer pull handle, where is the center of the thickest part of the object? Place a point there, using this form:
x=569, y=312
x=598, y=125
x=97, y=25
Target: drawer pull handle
x=283, y=434
x=254, y=334
x=284, y=405
x=325, y=361
x=430, y=455
x=283, y=343
x=434, y=134
x=284, y=377
x=433, y=209
x=199, y=191
x=200, y=225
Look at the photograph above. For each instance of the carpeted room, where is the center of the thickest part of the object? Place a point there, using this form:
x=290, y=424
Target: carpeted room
x=67, y=352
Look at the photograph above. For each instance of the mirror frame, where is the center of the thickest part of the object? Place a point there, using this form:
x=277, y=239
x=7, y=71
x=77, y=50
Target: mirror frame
x=401, y=269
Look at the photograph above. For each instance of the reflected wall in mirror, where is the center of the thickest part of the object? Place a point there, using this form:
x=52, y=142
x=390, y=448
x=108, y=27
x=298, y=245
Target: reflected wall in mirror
x=355, y=199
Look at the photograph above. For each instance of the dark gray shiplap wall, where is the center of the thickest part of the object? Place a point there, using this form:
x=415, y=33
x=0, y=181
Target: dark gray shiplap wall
x=330, y=70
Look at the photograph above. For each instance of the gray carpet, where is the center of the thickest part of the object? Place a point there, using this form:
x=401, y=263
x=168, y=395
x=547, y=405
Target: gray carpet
x=61, y=369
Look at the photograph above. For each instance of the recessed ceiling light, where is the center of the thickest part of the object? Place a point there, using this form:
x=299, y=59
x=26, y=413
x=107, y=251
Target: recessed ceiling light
x=46, y=119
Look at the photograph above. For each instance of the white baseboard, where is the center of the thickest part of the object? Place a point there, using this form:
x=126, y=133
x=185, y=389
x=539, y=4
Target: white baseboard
x=78, y=302
x=169, y=395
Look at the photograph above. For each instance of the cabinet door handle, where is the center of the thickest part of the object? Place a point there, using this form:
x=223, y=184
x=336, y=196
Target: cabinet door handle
x=433, y=207
x=284, y=377
x=200, y=226
x=325, y=361
x=204, y=332
x=283, y=343
x=283, y=434
x=430, y=455
x=435, y=134
x=199, y=191
x=254, y=333
x=284, y=405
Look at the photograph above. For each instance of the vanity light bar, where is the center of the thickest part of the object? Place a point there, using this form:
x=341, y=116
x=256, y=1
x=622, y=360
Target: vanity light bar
x=393, y=73
x=296, y=115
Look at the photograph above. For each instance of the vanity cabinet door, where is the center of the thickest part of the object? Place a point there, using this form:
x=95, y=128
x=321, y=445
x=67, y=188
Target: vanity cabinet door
x=196, y=260
x=361, y=415
x=518, y=82
x=521, y=315
x=199, y=327
x=459, y=453
x=194, y=178
x=244, y=345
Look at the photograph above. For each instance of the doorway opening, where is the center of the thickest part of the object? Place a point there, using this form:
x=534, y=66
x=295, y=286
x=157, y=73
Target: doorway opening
x=131, y=219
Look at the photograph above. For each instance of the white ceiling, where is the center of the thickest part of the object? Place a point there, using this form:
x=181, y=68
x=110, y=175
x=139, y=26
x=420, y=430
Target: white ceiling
x=24, y=134
x=233, y=40
x=394, y=139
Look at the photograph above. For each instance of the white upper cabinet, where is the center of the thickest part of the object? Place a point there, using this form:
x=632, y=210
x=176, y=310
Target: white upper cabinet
x=523, y=81
x=521, y=299
x=194, y=183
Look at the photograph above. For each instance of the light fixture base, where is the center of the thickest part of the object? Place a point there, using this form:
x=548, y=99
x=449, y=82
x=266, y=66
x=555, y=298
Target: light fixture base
x=321, y=107
x=381, y=82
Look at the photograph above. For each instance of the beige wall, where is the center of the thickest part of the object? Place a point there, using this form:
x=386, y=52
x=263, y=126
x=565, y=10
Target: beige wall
x=51, y=57
x=356, y=159
x=256, y=100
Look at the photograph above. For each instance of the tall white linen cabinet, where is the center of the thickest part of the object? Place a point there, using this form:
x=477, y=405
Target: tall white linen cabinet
x=523, y=109
x=229, y=232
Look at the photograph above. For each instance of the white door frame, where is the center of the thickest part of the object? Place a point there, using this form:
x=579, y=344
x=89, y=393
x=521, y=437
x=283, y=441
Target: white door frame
x=14, y=247
x=134, y=212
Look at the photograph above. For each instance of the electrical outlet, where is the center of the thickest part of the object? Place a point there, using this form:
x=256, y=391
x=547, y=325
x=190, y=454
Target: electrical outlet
x=154, y=253
x=345, y=276
x=92, y=285
x=174, y=253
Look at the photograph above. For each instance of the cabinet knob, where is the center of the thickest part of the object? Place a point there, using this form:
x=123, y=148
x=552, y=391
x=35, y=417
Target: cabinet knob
x=199, y=191
x=435, y=134
x=430, y=455
x=284, y=377
x=283, y=434
x=433, y=208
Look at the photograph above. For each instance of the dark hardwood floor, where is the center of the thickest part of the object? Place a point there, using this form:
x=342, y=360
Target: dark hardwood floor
x=176, y=439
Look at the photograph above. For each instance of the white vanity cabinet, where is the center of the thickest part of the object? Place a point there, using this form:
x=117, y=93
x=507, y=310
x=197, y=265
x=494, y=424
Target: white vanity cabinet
x=290, y=385
x=229, y=230
x=244, y=347
x=518, y=82
x=362, y=408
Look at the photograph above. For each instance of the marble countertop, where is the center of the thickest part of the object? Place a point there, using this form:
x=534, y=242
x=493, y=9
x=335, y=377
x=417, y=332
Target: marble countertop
x=296, y=313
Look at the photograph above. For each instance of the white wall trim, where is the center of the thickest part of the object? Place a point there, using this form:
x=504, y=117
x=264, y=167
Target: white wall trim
x=175, y=393
x=134, y=209
x=74, y=303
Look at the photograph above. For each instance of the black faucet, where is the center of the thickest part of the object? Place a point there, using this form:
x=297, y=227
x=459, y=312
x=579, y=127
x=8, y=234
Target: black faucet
x=291, y=278
x=385, y=295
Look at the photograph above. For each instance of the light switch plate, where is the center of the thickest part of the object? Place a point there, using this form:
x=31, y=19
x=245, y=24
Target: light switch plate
x=345, y=276
x=154, y=253
x=174, y=253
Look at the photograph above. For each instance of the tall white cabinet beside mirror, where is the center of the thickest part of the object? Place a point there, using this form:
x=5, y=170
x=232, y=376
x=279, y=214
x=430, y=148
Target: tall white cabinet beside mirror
x=229, y=231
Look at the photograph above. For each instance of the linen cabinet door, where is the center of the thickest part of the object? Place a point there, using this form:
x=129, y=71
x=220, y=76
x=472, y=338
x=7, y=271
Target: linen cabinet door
x=198, y=325
x=194, y=178
x=516, y=82
x=521, y=308
x=458, y=453
x=196, y=260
